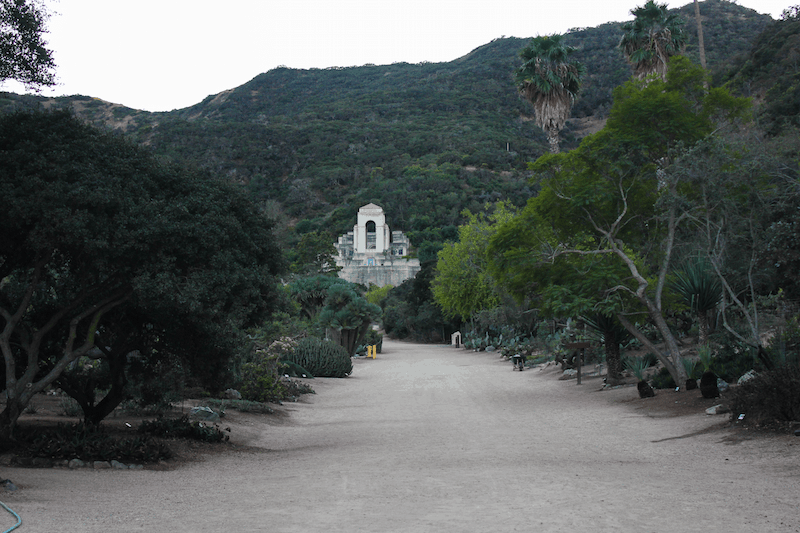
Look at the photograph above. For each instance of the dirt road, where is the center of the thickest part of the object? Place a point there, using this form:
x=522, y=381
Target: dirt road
x=434, y=439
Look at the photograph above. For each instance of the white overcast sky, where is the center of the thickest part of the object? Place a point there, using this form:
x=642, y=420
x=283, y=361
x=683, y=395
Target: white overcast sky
x=160, y=55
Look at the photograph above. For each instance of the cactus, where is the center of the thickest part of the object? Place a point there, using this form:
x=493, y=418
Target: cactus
x=321, y=358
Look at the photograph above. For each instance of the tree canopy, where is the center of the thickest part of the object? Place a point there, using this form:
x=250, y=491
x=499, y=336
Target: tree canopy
x=599, y=236
x=93, y=223
x=24, y=55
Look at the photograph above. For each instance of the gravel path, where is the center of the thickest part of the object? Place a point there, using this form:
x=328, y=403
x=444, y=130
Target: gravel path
x=434, y=439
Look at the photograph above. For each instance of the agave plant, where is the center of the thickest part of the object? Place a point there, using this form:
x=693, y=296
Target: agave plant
x=701, y=291
x=637, y=366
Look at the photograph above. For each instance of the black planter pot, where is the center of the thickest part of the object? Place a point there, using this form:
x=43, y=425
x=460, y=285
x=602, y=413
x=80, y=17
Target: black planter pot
x=708, y=385
x=691, y=384
x=645, y=390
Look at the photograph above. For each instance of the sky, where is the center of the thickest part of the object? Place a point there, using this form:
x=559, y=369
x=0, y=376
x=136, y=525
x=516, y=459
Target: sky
x=160, y=55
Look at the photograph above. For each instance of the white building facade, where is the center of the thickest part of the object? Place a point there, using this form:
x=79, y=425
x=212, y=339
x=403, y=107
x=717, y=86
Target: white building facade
x=372, y=253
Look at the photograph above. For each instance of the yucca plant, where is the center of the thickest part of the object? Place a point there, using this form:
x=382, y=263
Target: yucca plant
x=700, y=288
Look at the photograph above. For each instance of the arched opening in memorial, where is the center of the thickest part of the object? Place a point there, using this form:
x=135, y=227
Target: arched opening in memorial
x=372, y=236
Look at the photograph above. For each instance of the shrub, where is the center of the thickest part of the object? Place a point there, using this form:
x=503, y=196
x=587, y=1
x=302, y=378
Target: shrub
x=261, y=379
x=770, y=399
x=663, y=380
x=733, y=357
x=88, y=443
x=69, y=406
x=322, y=358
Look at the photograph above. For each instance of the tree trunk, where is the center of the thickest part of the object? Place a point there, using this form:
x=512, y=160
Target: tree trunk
x=613, y=361
x=552, y=138
x=702, y=328
x=8, y=418
x=700, y=35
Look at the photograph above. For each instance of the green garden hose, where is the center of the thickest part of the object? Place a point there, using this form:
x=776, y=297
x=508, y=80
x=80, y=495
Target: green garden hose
x=19, y=520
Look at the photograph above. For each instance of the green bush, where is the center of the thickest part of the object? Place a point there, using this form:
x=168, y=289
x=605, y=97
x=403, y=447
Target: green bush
x=261, y=379
x=733, y=358
x=663, y=380
x=770, y=399
x=322, y=358
x=78, y=441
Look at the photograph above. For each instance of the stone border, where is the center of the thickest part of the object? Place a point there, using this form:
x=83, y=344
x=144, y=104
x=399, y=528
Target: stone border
x=72, y=464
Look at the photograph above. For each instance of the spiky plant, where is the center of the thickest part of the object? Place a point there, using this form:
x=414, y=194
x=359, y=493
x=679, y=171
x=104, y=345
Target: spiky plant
x=637, y=366
x=651, y=39
x=701, y=291
x=549, y=80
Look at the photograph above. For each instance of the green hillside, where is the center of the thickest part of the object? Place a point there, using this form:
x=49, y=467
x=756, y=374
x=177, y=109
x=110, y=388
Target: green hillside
x=426, y=141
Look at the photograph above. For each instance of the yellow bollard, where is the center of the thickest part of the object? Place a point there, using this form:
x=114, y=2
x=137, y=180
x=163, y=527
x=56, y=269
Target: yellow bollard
x=374, y=350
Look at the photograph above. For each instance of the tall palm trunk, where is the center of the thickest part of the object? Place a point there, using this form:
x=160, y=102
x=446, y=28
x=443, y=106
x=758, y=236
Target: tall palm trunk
x=700, y=34
x=552, y=138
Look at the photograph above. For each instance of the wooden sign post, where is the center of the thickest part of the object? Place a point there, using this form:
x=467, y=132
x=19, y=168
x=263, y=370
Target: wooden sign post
x=581, y=346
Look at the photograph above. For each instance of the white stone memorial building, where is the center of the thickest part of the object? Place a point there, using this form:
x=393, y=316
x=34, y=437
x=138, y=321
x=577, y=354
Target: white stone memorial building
x=372, y=253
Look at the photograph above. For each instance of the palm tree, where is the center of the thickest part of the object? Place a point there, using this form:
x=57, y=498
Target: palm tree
x=613, y=334
x=549, y=80
x=651, y=39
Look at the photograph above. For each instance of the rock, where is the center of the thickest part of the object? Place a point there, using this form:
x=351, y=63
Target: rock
x=136, y=467
x=747, y=376
x=568, y=374
x=490, y=348
x=8, y=484
x=691, y=384
x=101, y=465
x=718, y=409
x=76, y=463
x=204, y=413
x=722, y=385
x=233, y=394
x=42, y=462
x=116, y=465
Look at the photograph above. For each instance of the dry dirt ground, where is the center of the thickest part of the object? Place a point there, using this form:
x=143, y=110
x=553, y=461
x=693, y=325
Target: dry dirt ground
x=435, y=439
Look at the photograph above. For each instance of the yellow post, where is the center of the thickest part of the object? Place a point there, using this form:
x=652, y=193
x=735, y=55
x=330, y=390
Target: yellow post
x=374, y=349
